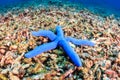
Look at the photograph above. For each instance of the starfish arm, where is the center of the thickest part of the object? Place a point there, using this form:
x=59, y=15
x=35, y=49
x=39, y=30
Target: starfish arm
x=41, y=49
x=45, y=33
x=71, y=53
x=59, y=31
x=79, y=41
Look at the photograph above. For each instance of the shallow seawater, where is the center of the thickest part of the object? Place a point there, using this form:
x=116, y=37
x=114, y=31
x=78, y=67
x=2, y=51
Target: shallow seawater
x=103, y=8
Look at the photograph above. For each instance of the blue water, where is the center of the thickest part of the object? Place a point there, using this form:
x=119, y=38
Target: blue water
x=7, y=2
x=102, y=7
x=101, y=3
x=17, y=5
x=99, y=7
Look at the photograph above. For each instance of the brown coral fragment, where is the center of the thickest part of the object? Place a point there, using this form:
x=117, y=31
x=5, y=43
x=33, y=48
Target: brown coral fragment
x=13, y=77
x=70, y=71
x=111, y=73
x=3, y=77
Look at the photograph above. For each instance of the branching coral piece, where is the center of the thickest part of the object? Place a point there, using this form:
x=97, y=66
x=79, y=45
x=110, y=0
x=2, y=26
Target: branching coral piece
x=58, y=40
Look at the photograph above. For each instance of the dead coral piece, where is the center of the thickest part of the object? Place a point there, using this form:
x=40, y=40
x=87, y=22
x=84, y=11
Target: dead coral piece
x=13, y=47
x=13, y=77
x=2, y=51
x=7, y=59
x=111, y=73
x=2, y=77
x=70, y=71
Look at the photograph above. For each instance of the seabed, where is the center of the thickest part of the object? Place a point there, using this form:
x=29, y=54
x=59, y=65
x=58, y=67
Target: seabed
x=101, y=62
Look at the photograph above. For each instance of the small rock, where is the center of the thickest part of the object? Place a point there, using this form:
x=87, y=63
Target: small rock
x=108, y=63
x=2, y=51
x=105, y=64
x=72, y=45
x=13, y=47
x=118, y=56
x=118, y=71
x=105, y=77
x=45, y=40
x=111, y=73
x=85, y=55
x=13, y=77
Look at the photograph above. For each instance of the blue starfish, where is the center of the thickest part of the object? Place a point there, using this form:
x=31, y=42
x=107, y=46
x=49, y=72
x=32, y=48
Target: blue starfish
x=58, y=40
